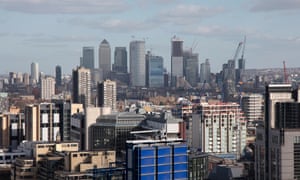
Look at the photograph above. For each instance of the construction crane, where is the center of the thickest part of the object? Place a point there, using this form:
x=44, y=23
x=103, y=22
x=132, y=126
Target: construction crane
x=285, y=73
x=243, y=51
x=238, y=49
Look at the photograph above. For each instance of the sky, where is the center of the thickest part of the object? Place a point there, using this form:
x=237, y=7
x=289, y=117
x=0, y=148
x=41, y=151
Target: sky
x=53, y=32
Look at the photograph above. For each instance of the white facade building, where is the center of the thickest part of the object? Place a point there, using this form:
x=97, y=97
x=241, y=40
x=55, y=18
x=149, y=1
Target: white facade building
x=252, y=106
x=82, y=86
x=219, y=128
x=47, y=88
x=107, y=93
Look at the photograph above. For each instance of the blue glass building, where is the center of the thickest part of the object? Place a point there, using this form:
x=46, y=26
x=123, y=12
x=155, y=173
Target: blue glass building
x=156, y=160
x=154, y=70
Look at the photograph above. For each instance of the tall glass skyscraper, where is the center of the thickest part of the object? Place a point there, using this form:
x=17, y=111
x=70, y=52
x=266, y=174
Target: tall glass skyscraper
x=191, y=67
x=137, y=63
x=205, y=71
x=154, y=71
x=120, y=64
x=105, y=58
x=88, y=57
x=58, y=75
x=34, y=77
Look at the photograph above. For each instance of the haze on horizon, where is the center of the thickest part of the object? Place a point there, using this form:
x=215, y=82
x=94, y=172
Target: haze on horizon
x=53, y=32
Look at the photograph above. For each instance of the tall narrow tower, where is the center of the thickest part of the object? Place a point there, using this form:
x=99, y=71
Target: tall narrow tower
x=176, y=59
x=58, y=75
x=47, y=87
x=105, y=58
x=120, y=64
x=34, y=77
x=107, y=94
x=137, y=63
x=88, y=57
x=82, y=86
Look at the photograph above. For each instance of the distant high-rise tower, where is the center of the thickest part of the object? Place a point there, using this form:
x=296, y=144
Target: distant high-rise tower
x=105, y=58
x=191, y=67
x=58, y=74
x=229, y=80
x=107, y=94
x=34, y=77
x=154, y=71
x=120, y=64
x=240, y=70
x=137, y=63
x=87, y=60
x=82, y=86
x=205, y=72
x=47, y=87
x=26, y=79
x=176, y=59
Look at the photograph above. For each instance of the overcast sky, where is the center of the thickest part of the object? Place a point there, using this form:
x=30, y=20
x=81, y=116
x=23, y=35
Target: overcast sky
x=53, y=32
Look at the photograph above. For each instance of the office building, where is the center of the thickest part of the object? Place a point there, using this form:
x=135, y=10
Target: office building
x=30, y=165
x=66, y=109
x=87, y=59
x=12, y=130
x=81, y=78
x=107, y=94
x=34, y=76
x=176, y=59
x=58, y=76
x=165, y=125
x=137, y=63
x=278, y=141
x=47, y=87
x=42, y=122
x=191, y=67
x=156, y=159
x=120, y=62
x=111, y=131
x=219, y=128
x=105, y=58
x=205, y=72
x=198, y=165
x=154, y=70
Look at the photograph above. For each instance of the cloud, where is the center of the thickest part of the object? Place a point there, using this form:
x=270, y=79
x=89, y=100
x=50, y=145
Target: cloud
x=64, y=6
x=187, y=13
x=50, y=39
x=275, y=5
x=111, y=25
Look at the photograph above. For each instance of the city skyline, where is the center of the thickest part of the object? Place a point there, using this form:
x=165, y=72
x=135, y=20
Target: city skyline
x=54, y=32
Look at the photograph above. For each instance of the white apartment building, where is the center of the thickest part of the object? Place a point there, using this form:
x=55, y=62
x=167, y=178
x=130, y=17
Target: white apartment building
x=47, y=88
x=219, y=128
